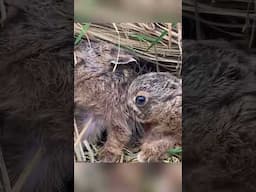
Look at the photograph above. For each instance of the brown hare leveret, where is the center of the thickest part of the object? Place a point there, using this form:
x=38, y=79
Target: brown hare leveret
x=100, y=94
x=156, y=101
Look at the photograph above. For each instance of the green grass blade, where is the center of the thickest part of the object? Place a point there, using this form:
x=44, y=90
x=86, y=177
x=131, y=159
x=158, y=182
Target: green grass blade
x=84, y=29
x=158, y=39
x=175, y=151
x=142, y=37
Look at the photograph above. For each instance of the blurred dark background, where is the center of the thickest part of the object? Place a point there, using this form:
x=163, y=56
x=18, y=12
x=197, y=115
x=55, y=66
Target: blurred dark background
x=219, y=110
x=36, y=96
x=230, y=20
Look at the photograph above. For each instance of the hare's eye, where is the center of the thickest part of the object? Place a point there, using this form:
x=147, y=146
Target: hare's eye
x=140, y=100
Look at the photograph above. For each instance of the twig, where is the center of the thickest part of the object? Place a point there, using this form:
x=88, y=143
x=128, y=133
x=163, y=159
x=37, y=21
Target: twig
x=27, y=171
x=118, y=53
x=247, y=19
x=4, y=174
x=82, y=132
x=170, y=34
x=3, y=12
x=78, y=149
x=198, y=28
x=253, y=28
x=89, y=149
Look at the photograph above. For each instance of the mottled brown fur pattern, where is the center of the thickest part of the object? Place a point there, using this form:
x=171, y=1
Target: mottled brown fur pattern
x=161, y=113
x=102, y=94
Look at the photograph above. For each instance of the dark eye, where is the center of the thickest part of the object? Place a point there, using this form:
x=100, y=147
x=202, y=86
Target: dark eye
x=140, y=100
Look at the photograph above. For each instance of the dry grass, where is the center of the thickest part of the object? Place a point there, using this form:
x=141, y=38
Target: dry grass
x=4, y=178
x=236, y=18
x=157, y=43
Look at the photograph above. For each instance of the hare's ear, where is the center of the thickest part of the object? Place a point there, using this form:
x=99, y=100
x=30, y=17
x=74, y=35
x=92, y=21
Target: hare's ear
x=124, y=59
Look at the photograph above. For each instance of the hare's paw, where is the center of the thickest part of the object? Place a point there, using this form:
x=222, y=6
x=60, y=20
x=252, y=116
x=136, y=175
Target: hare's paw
x=107, y=156
x=143, y=156
x=150, y=155
x=154, y=151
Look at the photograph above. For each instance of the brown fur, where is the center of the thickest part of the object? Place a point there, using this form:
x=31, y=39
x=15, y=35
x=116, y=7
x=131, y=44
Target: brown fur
x=161, y=113
x=219, y=117
x=101, y=93
x=36, y=93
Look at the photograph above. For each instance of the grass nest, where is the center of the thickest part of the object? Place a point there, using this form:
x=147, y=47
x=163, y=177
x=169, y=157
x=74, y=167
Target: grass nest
x=158, y=44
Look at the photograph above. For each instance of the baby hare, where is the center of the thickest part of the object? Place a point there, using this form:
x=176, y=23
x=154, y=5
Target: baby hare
x=156, y=100
x=100, y=94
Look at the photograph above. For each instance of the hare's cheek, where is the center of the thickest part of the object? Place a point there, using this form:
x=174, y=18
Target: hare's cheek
x=142, y=118
x=138, y=115
x=147, y=116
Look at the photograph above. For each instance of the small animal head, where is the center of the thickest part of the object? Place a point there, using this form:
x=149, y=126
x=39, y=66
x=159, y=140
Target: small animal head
x=102, y=55
x=151, y=93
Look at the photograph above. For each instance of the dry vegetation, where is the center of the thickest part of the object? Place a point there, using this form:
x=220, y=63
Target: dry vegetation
x=234, y=18
x=155, y=42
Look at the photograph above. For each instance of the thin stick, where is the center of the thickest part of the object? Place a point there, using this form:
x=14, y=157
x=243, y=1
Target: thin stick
x=170, y=35
x=82, y=132
x=27, y=171
x=118, y=53
x=247, y=19
x=157, y=63
x=3, y=12
x=78, y=149
x=89, y=149
x=4, y=173
x=253, y=28
x=198, y=35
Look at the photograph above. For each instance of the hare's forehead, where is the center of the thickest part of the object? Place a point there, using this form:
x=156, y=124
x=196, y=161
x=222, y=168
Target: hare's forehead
x=158, y=83
x=154, y=89
x=155, y=83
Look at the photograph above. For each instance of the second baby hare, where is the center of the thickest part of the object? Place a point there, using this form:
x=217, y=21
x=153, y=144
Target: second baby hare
x=100, y=94
x=156, y=100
